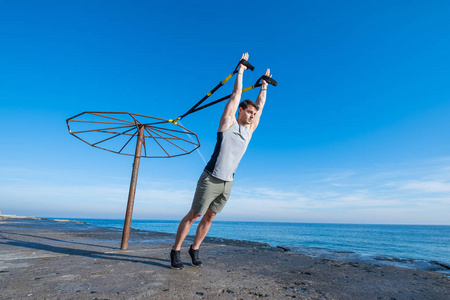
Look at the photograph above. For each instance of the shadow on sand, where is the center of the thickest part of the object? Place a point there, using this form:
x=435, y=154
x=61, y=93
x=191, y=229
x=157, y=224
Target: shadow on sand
x=82, y=252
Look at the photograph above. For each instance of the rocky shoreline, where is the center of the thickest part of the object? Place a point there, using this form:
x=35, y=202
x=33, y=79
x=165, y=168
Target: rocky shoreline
x=50, y=259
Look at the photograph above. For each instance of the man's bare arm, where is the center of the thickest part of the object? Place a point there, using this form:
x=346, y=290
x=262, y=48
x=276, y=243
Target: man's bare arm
x=261, y=100
x=229, y=114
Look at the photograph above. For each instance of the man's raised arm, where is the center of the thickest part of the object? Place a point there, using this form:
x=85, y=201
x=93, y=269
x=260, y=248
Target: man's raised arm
x=229, y=114
x=261, y=100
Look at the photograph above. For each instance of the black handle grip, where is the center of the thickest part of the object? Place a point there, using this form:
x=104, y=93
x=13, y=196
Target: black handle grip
x=269, y=80
x=247, y=64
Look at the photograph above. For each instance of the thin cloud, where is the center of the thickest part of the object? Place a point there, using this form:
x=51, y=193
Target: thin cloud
x=427, y=186
x=345, y=197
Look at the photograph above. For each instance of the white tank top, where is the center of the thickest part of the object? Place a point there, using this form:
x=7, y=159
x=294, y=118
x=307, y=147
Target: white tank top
x=230, y=147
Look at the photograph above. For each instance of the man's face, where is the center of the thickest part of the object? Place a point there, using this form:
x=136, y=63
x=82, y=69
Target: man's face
x=247, y=115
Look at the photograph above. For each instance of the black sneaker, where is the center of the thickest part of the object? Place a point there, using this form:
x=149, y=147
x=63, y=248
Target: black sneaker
x=194, y=256
x=175, y=260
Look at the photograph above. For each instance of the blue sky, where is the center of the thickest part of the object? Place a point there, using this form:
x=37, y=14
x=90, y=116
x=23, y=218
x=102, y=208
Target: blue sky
x=357, y=131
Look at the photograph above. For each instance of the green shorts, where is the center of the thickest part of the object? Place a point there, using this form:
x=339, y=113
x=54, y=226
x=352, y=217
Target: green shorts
x=211, y=193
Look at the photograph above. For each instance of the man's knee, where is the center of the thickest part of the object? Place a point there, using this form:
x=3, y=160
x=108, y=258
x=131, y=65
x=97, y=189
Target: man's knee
x=192, y=216
x=209, y=215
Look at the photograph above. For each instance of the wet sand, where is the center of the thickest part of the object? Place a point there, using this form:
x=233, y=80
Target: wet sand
x=47, y=259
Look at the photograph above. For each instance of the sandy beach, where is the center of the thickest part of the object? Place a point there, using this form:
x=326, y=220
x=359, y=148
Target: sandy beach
x=48, y=259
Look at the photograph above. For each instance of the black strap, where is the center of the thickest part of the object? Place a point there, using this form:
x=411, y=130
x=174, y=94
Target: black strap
x=258, y=83
x=245, y=63
x=267, y=79
x=211, y=103
x=194, y=108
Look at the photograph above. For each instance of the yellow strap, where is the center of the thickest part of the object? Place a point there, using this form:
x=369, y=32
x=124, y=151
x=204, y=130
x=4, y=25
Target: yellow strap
x=174, y=122
x=247, y=89
x=226, y=79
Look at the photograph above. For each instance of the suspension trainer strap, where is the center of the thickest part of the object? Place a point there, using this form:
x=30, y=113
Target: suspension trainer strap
x=258, y=83
x=195, y=107
x=267, y=79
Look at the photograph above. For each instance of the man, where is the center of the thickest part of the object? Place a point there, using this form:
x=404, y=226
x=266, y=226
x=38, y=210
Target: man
x=214, y=185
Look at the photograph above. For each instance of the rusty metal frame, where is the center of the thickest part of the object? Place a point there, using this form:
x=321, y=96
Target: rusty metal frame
x=130, y=128
x=142, y=131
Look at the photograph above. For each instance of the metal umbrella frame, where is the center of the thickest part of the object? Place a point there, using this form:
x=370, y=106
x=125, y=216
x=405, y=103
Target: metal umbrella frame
x=115, y=132
x=160, y=139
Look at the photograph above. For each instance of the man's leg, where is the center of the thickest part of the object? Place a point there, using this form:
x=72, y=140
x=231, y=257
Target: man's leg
x=183, y=228
x=203, y=228
x=200, y=235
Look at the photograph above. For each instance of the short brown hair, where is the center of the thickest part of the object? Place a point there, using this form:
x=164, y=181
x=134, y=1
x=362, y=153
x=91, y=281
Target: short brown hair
x=244, y=104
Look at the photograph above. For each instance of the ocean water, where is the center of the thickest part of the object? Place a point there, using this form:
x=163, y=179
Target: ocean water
x=420, y=247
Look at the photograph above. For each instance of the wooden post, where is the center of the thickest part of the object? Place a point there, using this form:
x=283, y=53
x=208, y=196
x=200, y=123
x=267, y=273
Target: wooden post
x=132, y=192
